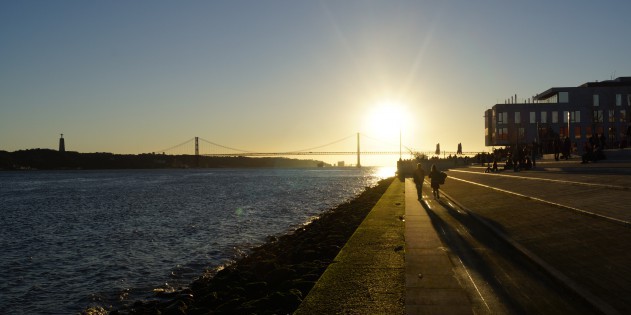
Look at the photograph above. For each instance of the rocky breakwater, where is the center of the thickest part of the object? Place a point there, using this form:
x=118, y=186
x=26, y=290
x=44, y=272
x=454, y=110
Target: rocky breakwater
x=273, y=278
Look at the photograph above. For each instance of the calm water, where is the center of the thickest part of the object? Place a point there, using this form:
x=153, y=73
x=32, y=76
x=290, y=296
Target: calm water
x=70, y=239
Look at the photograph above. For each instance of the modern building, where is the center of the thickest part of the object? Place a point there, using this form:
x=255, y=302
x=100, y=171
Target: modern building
x=591, y=109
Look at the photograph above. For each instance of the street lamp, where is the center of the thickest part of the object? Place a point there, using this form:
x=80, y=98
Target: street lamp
x=568, y=123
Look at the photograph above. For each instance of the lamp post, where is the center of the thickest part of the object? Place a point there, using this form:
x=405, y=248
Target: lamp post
x=569, y=116
x=400, y=151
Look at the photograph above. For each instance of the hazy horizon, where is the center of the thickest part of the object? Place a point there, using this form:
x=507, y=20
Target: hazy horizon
x=138, y=77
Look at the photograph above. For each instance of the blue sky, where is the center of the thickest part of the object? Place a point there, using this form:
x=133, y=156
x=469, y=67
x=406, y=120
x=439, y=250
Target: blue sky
x=141, y=76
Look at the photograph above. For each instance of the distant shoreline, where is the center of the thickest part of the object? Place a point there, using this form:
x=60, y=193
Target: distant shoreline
x=46, y=159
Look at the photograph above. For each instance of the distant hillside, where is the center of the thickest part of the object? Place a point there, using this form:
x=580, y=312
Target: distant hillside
x=45, y=159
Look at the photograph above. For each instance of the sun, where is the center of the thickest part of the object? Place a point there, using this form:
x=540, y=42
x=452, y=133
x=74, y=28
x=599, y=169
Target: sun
x=386, y=119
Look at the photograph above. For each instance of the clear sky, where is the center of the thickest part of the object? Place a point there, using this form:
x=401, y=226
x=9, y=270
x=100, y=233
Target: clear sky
x=141, y=76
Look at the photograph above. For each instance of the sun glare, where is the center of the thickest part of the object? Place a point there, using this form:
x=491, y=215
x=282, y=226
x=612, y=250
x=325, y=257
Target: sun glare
x=386, y=120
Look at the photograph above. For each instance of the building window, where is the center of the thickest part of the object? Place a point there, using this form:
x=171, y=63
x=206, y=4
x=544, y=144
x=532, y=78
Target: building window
x=596, y=100
x=598, y=116
x=612, y=118
x=518, y=117
x=563, y=131
x=544, y=117
x=599, y=130
x=577, y=132
x=564, y=97
x=502, y=118
x=618, y=99
x=575, y=116
x=533, y=117
x=521, y=133
x=502, y=133
x=588, y=132
x=555, y=117
x=623, y=115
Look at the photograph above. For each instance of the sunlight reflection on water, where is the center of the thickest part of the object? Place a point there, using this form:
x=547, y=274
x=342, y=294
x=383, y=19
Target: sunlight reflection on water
x=384, y=172
x=71, y=239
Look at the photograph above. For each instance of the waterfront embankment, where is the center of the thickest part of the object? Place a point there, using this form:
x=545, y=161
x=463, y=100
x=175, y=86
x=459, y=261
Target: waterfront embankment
x=274, y=277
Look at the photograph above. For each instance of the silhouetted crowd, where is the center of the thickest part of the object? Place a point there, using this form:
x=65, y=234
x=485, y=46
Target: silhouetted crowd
x=594, y=149
x=516, y=158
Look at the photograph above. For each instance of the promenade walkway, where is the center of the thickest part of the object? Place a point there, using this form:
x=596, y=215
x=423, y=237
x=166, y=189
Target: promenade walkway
x=430, y=285
x=570, y=218
x=397, y=261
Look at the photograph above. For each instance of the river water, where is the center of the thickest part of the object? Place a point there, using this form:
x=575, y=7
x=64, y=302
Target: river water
x=72, y=239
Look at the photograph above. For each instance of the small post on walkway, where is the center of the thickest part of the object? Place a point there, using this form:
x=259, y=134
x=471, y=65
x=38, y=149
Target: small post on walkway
x=358, y=160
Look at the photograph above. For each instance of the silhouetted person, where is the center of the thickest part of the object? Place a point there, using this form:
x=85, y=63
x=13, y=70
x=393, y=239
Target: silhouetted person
x=528, y=163
x=419, y=177
x=509, y=163
x=567, y=147
x=436, y=179
x=556, y=145
x=533, y=153
x=493, y=169
x=588, y=155
x=603, y=141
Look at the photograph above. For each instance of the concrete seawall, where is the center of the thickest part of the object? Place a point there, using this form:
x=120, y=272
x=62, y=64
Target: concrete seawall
x=393, y=264
x=368, y=275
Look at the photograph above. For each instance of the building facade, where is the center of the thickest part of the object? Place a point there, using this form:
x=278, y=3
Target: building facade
x=589, y=110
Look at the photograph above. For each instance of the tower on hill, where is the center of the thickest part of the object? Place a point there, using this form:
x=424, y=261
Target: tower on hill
x=62, y=144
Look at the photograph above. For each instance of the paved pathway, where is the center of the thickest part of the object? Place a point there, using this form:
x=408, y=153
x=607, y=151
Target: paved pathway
x=430, y=285
x=588, y=253
x=391, y=267
x=374, y=275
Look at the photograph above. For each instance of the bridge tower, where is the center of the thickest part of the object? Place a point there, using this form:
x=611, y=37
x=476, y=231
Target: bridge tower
x=358, y=160
x=196, y=151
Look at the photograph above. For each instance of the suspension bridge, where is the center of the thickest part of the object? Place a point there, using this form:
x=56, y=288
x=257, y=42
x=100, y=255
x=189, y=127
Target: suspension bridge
x=347, y=146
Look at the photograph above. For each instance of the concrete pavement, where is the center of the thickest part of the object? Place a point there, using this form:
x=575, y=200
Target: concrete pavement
x=395, y=263
x=430, y=285
x=588, y=254
x=373, y=275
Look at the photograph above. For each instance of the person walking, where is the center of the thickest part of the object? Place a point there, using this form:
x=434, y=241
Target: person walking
x=436, y=178
x=419, y=177
x=556, y=145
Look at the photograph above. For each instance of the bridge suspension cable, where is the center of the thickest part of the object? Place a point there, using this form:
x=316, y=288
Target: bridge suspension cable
x=177, y=145
x=325, y=145
x=408, y=149
x=225, y=147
